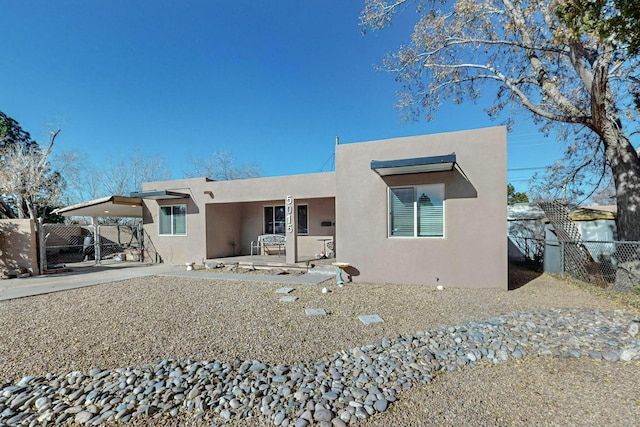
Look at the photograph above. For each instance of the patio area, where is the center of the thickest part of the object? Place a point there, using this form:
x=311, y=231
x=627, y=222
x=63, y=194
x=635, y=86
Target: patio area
x=275, y=262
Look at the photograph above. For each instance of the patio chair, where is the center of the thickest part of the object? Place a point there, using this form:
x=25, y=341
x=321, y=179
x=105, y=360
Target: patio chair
x=331, y=252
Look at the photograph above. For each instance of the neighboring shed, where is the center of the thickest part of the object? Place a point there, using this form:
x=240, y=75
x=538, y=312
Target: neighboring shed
x=595, y=224
x=525, y=231
x=528, y=224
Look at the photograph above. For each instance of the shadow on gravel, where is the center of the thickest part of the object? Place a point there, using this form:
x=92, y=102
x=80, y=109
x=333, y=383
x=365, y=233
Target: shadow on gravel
x=521, y=274
x=71, y=269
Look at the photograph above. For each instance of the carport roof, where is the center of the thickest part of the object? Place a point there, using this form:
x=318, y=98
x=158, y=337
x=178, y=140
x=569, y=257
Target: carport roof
x=111, y=206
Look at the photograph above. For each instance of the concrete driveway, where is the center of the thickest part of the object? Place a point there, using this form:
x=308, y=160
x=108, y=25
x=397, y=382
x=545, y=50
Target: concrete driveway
x=78, y=278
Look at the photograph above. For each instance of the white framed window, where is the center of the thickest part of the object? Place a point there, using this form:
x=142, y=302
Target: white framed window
x=274, y=219
x=416, y=211
x=303, y=219
x=173, y=220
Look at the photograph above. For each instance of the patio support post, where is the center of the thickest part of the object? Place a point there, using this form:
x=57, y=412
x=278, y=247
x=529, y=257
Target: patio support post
x=42, y=239
x=291, y=230
x=140, y=242
x=96, y=241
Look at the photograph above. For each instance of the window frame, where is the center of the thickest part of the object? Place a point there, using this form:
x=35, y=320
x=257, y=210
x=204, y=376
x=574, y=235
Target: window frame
x=273, y=216
x=298, y=218
x=274, y=221
x=171, y=219
x=440, y=191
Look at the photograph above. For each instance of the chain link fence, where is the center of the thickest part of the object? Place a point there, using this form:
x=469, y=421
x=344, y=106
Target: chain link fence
x=604, y=262
x=66, y=244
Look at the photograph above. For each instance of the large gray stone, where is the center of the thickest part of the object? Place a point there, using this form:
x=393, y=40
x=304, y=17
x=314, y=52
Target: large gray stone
x=315, y=312
x=83, y=417
x=634, y=328
x=322, y=414
x=278, y=418
x=381, y=405
x=628, y=354
x=370, y=318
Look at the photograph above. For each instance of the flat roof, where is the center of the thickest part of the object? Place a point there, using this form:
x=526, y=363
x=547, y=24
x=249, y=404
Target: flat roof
x=414, y=165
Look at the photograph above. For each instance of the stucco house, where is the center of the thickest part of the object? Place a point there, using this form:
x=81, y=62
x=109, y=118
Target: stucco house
x=425, y=209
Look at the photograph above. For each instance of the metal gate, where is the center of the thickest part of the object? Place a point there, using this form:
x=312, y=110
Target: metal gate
x=62, y=244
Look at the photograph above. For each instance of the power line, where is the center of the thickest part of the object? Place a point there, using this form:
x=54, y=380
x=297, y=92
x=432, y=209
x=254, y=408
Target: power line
x=527, y=169
x=327, y=161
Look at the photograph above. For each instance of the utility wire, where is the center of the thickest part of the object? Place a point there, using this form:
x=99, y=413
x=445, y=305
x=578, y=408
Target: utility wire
x=527, y=169
x=327, y=161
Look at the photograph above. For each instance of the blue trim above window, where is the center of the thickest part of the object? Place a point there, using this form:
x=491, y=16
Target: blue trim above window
x=414, y=165
x=160, y=195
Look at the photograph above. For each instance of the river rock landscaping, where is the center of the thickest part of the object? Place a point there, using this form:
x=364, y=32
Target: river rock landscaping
x=344, y=387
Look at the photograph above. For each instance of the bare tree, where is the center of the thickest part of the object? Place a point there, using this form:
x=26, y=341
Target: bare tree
x=221, y=166
x=27, y=179
x=117, y=176
x=127, y=173
x=580, y=84
x=79, y=178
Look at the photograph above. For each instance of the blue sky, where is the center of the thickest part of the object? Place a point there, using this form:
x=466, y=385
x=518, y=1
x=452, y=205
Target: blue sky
x=271, y=82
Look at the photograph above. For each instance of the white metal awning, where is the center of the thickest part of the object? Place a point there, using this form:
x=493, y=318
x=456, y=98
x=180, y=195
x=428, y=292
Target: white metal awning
x=160, y=195
x=414, y=165
x=111, y=206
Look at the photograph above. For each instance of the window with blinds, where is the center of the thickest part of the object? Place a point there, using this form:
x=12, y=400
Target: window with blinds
x=416, y=211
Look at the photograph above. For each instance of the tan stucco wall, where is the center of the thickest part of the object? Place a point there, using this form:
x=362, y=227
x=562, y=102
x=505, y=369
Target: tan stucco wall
x=18, y=245
x=218, y=212
x=223, y=229
x=320, y=210
x=473, y=253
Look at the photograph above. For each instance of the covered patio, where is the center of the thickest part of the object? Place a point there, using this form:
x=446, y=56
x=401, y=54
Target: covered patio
x=233, y=228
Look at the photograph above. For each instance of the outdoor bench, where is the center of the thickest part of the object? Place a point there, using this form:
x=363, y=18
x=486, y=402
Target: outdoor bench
x=267, y=243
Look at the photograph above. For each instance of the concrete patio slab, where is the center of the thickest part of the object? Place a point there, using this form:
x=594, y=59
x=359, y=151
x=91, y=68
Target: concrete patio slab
x=284, y=290
x=304, y=279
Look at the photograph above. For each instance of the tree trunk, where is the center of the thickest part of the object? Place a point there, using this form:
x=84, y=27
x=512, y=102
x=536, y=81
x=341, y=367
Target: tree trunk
x=625, y=167
x=19, y=204
x=626, y=174
x=5, y=210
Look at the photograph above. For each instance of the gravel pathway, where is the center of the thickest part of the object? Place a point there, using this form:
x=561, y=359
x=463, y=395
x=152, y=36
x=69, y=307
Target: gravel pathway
x=137, y=349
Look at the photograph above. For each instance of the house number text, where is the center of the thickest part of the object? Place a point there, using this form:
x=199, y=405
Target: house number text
x=289, y=212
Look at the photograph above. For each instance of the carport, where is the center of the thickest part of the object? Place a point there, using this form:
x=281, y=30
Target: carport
x=110, y=206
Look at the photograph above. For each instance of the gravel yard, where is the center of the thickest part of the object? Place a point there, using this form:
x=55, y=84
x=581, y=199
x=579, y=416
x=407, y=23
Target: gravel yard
x=142, y=321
